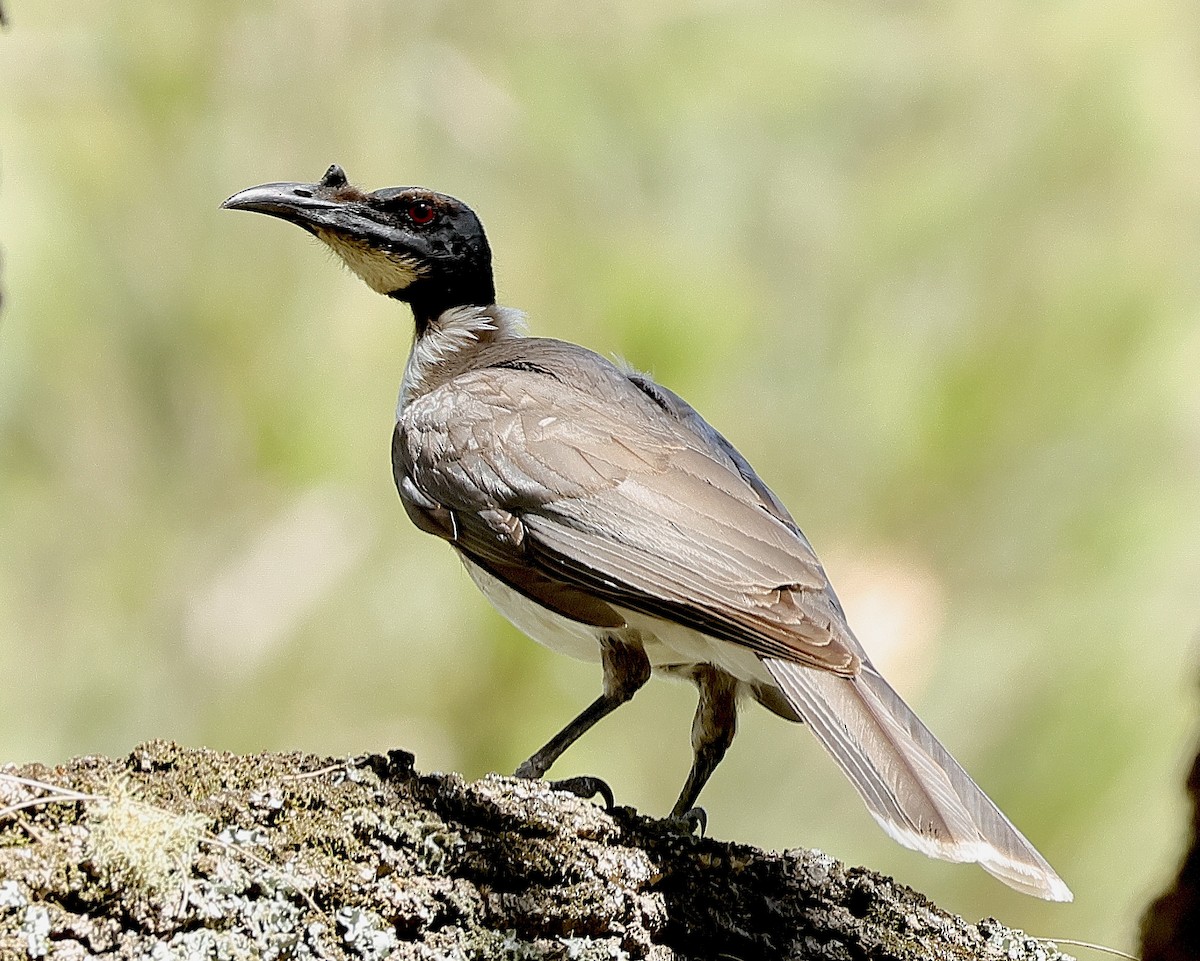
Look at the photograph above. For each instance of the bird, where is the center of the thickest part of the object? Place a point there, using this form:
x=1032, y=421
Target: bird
x=606, y=519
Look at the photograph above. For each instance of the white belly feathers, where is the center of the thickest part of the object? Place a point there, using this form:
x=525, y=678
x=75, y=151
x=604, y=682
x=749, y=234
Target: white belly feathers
x=666, y=643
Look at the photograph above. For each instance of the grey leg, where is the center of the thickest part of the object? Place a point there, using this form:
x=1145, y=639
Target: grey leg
x=626, y=668
x=712, y=733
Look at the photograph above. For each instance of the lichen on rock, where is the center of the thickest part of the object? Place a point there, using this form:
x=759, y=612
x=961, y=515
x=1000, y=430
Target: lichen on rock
x=174, y=853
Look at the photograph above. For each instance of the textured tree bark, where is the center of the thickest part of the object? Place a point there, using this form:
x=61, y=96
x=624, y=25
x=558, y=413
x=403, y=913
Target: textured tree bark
x=183, y=853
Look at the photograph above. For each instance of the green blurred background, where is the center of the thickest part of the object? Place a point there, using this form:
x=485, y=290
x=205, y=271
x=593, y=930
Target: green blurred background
x=932, y=267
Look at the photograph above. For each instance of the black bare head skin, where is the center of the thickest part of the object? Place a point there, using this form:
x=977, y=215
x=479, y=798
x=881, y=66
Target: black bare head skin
x=416, y=245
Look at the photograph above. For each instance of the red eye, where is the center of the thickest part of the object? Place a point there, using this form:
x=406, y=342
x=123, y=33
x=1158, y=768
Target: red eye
x=421, y=213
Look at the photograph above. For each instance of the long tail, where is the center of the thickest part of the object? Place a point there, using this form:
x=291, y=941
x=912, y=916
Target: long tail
x=917, y=792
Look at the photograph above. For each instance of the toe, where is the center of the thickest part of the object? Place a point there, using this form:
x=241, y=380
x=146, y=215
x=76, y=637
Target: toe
x=586, y=787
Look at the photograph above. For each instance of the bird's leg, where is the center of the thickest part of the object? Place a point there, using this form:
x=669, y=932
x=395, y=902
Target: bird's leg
x=712, y=733
x=626, y=668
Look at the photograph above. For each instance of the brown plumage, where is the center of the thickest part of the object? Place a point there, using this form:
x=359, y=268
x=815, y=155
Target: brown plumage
x=604, y=517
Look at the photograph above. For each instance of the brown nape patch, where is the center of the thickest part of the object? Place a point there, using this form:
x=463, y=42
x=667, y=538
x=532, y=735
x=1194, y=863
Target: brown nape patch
x=346, y=193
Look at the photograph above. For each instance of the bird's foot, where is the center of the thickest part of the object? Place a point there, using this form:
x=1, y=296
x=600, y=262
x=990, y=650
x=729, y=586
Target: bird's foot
x=693, y=821
x=586, y=787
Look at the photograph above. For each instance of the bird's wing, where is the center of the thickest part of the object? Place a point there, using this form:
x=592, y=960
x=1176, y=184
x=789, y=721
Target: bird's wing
x=714, y=442
x=566, y=471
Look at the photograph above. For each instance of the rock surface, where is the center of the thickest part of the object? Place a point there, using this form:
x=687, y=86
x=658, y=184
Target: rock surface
x=180, y=853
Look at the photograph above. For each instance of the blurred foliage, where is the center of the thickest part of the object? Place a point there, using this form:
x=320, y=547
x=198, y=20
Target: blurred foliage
x=932, y=267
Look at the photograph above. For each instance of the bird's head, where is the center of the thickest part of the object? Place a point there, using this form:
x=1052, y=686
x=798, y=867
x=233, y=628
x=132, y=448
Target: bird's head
x=419, y=246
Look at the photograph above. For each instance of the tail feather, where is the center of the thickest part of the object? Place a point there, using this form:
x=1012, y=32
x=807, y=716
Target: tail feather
x=917, y=792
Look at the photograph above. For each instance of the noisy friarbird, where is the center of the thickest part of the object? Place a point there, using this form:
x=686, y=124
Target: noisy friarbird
x=606, y=519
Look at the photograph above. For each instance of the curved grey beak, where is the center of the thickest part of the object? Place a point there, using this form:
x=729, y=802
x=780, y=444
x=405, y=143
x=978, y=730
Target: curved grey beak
x=295, y=202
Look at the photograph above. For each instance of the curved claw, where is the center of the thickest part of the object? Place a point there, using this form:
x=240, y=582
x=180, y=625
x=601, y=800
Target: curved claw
x=586, y=787
x=692, y=821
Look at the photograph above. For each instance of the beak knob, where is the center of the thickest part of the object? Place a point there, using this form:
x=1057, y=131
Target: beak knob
x=335, y=176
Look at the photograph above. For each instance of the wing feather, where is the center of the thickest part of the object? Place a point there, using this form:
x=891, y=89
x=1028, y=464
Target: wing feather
x=621, y=500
